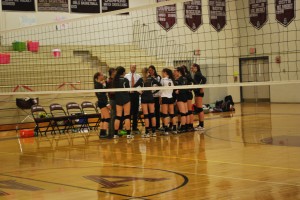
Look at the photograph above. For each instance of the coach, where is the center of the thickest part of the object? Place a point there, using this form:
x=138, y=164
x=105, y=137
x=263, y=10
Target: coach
x=133, y=77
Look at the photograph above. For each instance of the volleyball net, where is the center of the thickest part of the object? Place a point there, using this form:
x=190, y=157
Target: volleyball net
x=236, y=43
x=214, y=34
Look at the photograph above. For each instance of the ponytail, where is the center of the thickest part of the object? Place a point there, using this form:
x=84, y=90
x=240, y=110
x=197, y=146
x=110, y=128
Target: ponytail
x=181, y=70
x=120, y=71
x=170, y=74
x=96, y=75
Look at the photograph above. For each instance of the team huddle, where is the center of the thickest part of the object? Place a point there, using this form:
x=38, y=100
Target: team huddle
x=172, y=109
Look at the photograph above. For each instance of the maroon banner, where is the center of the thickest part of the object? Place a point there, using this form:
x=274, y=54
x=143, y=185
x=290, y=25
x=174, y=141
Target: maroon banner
x=258, y=12
x=193, y=14
x=217, y=14
x=166, y=16
x=285, y=11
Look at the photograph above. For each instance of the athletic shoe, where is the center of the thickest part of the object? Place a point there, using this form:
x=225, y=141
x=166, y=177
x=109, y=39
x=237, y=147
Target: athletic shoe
x=153, y=135
x=147, y=135
x=116, y=137
x=103, y=136
x=199, y=128
x=130, y=136
x=179, y=131
x=122, y=132
x=135, y=131
x=168, y=129
x=161, y=129
x=174, y=132
x=165, y=133
x=190, y=129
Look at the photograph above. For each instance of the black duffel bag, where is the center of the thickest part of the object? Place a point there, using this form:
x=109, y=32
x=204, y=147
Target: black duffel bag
x=26, y=103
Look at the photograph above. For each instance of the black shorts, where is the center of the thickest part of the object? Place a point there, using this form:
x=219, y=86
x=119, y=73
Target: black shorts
x=147, y=100
x=182, y=98
x=121, y=102
x=122, y=98
x=189, y=96
x=102, y=104
x=166, y=100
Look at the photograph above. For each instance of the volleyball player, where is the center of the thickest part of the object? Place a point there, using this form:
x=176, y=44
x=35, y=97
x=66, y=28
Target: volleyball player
x=112, y=101
x=199, y=94
x=100, y=83
x=122, y=102
x=153, y=74
x=167, y=102
x=181, y=98
x=147, y=101
x=190, y=116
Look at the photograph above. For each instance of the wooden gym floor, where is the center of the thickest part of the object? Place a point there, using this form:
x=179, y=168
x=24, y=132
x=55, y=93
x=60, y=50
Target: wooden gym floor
x=253, y=153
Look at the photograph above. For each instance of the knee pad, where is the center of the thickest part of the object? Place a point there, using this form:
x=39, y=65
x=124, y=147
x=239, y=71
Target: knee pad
x=118, y=118
x=190, y=112
x=127, y=117
x=182, y=114
x=198, y=110
x=102, y=120
x=146, y=116
x=172, y=116
x=151, y=115
x=164, y=115
x=107, y=120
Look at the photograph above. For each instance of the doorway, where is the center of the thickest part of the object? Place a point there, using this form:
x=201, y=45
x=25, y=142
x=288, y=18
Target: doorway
x=255, y=70
x=178, y=63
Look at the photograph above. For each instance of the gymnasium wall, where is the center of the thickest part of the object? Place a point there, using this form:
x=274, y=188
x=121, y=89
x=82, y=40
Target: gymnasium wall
x=274, y=40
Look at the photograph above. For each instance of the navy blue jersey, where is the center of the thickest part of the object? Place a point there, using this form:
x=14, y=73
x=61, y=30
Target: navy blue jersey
x=174, y=91
x=189, y=78
x=149, y=82
x=199, y=78
x=122, y=97
x=182, y=81
x=101, y=96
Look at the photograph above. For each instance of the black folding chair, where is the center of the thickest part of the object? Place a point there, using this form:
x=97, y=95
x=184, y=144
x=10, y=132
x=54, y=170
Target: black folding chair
x=76, y=116
x=42, y=120
x=92, y=117
x=61, y=120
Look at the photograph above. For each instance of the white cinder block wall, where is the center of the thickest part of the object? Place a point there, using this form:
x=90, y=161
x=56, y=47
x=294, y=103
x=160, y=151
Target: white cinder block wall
x=274, y=40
